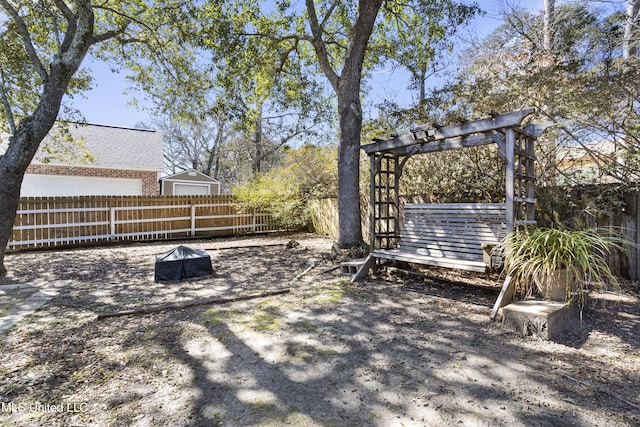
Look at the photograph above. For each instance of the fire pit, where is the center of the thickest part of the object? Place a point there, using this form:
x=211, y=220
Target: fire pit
x=182, y=263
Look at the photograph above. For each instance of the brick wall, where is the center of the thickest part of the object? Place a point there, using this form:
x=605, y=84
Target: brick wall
x=149, y=179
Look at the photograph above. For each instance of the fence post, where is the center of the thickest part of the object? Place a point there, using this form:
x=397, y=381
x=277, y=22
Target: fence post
x=193, y=219
x=629, y=223
x=634, y=251
x=253, y=221
x=112, y=221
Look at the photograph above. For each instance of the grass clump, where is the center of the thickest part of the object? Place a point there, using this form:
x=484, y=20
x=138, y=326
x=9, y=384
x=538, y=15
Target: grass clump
x=535, y=255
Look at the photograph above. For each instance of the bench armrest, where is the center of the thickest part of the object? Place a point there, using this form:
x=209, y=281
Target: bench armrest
x=487, y=252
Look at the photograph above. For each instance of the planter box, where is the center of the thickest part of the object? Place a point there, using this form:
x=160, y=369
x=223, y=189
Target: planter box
x=556, y=287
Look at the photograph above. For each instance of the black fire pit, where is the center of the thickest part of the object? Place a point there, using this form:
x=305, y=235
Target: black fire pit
x=182, y=263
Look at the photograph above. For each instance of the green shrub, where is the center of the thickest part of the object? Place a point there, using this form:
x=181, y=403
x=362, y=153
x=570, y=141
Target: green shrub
x=307, y=173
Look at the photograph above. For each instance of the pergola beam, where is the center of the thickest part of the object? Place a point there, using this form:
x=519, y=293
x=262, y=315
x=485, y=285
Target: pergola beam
x=444, y=145
x=500, y=121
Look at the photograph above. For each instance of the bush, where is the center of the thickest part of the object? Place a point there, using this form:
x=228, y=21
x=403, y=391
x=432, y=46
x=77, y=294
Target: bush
x=307, y=173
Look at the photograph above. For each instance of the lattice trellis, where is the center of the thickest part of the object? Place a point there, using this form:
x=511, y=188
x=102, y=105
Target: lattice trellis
x=385, y=200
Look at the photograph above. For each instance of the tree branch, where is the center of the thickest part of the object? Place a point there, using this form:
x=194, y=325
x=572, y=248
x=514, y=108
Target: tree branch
x=70, y=32
x=26, y=39
x=361, y=32
x=319, y=45
x=98, y=38
x=66, y=12
x=5, y=103
x=329, y=13
x=129, y=19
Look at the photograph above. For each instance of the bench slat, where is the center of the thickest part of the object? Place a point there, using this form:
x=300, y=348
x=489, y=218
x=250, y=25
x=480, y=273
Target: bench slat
x=453, y=215
x=456, y=234
x=452, y=255
x=397, y=255
x=456, y=206
x=448, y=235
x=433, y=247
x=482, y=233
x=428, y=217
x=451, y=241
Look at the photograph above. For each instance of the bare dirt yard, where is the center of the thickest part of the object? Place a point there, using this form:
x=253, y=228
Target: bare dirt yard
x=394, y=350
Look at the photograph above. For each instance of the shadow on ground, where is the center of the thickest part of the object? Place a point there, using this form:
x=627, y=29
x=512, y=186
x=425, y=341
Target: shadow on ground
x=388, y=351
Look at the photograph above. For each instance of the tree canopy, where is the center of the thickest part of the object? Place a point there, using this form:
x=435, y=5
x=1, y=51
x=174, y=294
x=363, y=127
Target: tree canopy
x=343, y=41
x=252, y=74
x=573, y=69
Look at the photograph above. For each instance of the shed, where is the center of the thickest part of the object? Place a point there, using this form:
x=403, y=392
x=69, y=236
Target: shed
x=189, y=183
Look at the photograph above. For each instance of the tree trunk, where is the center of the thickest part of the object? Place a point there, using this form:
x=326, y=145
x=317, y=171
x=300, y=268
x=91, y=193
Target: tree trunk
x=23, y=146
x=549, y=25
x=32, y=129
x=347, y=88
x=350, y=112
x=257, y=135
x=11, y=179
x=422, y=87
x=629, y=42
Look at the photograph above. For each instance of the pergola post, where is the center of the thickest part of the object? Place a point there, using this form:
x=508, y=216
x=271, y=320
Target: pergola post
x=384, y=200
x=373, y=170
x=510, y=178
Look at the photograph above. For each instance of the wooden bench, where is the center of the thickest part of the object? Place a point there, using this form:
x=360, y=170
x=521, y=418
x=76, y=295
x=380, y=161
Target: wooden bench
x=452, y=235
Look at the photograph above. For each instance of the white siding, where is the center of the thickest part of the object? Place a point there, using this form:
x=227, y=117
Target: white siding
x=65, y=185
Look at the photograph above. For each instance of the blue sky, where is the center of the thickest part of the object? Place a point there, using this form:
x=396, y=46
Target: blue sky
x=107, y=105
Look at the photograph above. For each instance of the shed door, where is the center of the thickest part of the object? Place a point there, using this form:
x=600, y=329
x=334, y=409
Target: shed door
x=182, y=189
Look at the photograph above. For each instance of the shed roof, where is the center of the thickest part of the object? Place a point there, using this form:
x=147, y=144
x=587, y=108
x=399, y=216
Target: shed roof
x=187, y=175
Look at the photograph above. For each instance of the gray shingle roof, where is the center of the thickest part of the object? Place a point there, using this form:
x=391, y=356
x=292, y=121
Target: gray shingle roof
x=118, y=148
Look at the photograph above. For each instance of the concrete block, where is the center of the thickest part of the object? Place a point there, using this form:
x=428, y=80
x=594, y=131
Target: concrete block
x=546, y=319
x=351, y=267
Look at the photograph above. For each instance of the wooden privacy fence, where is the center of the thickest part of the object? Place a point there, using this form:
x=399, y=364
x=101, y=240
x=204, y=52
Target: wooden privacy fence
x=608, y=207
x=58, y=221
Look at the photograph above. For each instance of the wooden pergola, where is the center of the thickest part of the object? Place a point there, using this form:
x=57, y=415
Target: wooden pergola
x=435, y=234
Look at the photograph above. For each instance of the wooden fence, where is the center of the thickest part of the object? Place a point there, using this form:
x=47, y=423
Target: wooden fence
x=63, y=221
x=608, y=207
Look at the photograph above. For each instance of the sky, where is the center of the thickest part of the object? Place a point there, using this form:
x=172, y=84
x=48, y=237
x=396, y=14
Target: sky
x=106, y=104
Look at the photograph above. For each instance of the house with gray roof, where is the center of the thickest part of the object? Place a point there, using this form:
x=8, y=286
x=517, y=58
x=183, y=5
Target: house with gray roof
x=96, y=160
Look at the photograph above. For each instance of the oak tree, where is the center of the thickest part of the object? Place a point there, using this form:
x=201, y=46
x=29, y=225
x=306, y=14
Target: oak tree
x=43, y=45
x=344, y=41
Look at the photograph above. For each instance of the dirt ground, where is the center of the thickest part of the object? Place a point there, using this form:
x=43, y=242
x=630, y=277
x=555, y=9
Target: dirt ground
x=394, y=350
